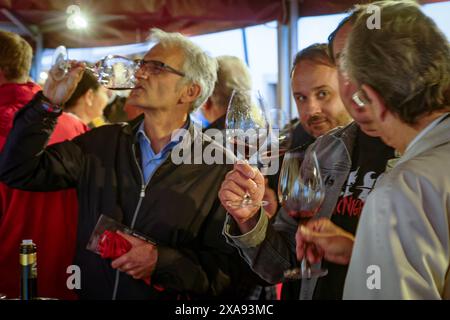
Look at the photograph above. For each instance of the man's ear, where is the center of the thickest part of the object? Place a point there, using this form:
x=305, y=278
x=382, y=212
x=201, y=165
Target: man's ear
x=207, y=105
x=89, y=97
x=376, y=101
x=191, y=92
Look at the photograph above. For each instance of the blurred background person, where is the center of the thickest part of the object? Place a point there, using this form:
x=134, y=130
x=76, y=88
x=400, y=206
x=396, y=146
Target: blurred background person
x=88, y=101
x=33, y=215
x=15, y=88
x=115, y=109
x=232, y=74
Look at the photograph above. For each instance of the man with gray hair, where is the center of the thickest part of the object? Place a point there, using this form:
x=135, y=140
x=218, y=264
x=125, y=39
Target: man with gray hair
x=402, y=247
x=403, y=70
x=126, y=172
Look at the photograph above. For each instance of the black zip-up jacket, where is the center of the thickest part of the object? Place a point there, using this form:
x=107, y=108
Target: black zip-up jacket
x=179, y=208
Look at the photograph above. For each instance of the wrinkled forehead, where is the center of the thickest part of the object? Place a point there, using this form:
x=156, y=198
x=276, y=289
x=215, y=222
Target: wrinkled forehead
x=170, y=54
x=314, y=72
x=313, y=79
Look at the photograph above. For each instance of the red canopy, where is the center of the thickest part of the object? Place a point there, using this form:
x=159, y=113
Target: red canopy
x=124, y=22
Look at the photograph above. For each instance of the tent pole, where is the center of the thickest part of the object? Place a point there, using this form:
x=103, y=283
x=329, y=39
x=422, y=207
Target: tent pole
x=37, y=59
x=245, y=45
x=283, y=88
x=287, y=48
x=293, y=48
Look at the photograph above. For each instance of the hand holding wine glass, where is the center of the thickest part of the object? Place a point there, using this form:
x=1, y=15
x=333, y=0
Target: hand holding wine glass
x=301, y=192
x=59, y=90
x=113, y=71
x=241, y=180
x=330, y=242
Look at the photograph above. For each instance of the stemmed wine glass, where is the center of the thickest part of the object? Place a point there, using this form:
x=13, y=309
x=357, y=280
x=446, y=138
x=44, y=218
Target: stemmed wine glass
x=247, y=129
x=113, y=71
x=279, y=121
x=281, y=134
x=301, y=192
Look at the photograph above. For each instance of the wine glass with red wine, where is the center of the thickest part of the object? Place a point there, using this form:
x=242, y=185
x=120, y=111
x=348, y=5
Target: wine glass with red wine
x=247, y=130
x=281, y=135
x=301, y=192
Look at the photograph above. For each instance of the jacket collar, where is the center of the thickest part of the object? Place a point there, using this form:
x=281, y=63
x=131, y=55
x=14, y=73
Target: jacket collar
x=437, y=136
x=131, y=127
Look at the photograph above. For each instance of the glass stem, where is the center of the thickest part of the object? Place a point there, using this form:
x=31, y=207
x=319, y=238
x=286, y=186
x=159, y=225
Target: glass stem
x=247, y=199
x=306, y=266
x=93, y=70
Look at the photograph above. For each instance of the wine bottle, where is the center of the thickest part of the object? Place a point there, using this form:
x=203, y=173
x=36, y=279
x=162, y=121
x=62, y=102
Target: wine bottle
x=28, y=264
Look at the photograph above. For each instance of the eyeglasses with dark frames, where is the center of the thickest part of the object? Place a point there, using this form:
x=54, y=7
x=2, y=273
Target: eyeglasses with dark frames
x=156, y=67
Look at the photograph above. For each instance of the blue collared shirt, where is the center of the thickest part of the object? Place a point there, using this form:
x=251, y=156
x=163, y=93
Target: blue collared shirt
x=150, y=161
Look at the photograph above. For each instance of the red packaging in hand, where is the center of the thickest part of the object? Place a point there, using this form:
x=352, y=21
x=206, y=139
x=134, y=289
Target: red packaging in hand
x=112, y=245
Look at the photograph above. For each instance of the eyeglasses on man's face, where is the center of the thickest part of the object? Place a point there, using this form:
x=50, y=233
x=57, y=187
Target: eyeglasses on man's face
x=155, y=67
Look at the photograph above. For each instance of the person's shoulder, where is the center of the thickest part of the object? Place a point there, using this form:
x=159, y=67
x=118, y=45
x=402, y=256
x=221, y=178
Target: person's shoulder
x=431, y=166
x=335, y=135
x=415, y=177
x=210, y=148
x=339, y=132
x=67, y=127
x=411, y=197
x=108, y=127
x=106, y=133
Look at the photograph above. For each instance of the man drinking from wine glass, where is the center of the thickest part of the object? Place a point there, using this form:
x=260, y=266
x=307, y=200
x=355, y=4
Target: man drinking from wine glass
x=351, y=159
x=127, y=172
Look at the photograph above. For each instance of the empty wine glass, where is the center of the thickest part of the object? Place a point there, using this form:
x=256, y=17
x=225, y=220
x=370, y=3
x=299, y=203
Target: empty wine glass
x=247, y=129
x=301, y=192
x=278, y=120
x=281, y=134
x=60, y=61
x=113, y=71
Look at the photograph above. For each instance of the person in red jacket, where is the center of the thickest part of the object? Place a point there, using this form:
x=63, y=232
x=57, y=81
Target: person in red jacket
x=33, y=215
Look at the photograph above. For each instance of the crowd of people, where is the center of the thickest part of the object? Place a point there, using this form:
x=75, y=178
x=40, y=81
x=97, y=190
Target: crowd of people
x=373, y=105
